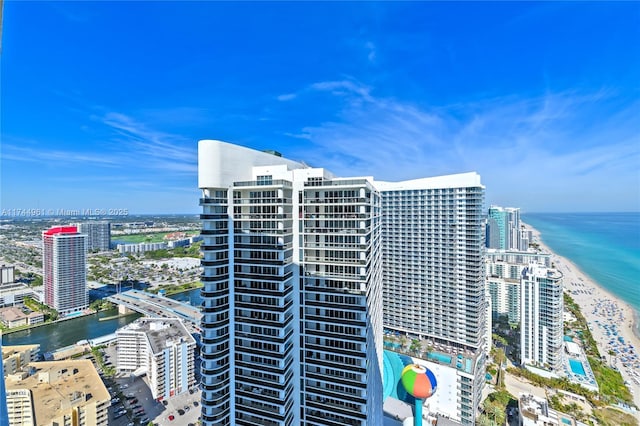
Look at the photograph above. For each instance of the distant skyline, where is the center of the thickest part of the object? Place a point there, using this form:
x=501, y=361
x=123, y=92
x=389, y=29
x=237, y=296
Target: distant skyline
x=103, y=102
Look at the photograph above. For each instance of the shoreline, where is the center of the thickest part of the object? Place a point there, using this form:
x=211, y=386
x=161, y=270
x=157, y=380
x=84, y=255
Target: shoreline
x=608, y=317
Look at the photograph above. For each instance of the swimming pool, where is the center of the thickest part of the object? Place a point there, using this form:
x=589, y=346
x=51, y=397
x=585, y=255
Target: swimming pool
x=394, y=363
x=445, y=359
x=577, y=367
x=566, y=421
x=392, y=345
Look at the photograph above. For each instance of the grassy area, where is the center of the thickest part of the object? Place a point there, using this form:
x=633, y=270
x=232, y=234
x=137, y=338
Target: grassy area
x=610, y=381
x=176, y=288
x=50, y=314
x=141, y=238
x=154, y=237
x=613, y=417
x=97, y=353
x=495, y=407
x=192, y=251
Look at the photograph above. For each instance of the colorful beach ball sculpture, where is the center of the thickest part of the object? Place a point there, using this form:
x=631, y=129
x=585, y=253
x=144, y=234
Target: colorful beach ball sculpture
x=418, y=381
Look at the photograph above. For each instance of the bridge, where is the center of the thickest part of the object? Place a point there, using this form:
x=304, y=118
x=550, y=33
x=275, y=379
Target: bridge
x=156, y=306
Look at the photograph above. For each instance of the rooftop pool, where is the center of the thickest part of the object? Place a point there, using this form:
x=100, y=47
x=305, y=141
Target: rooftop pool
x=577, y=367
x=445, y=359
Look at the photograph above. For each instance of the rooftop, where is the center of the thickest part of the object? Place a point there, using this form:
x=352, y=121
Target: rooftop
x=57, y=386
x=7, y=351
x=161, y=332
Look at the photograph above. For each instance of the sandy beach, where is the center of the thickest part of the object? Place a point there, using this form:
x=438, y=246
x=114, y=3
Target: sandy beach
x=610, y=320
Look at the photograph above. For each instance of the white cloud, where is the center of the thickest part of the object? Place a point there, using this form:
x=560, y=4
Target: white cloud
x=532, y=149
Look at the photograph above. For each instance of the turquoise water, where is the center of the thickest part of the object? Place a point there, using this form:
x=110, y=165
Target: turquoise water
x=445, y=359
x=392, y=345
x=605, y=246
x=394, y=363
x=566, y=421
x=577, y=367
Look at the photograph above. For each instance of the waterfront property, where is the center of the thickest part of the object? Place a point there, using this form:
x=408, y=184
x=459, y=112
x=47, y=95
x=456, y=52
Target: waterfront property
x=535, y=411
x=292, y=326
x=12, y=316
x=64, y=264
x=162, y=349
x=58, y=393
x=14, y=358
x=441, y=406
x=541, y=310
x=433, y=280
x=576, y=366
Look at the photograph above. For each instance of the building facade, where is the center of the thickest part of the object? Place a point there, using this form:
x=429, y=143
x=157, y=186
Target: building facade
x=64, y=259
x=292, y=324
x=7, y=275
x=541, y=328
x=503, y=229
x=98, y=235
x=434, y=286
x=161, y=348
x=14, y=358
x=504, y=275
x=58, y=393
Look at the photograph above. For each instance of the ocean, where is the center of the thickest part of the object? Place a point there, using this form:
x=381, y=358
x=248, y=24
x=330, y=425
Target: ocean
x=605, y=246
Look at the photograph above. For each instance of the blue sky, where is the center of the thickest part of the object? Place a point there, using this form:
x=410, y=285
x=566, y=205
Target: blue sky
x=103, y=103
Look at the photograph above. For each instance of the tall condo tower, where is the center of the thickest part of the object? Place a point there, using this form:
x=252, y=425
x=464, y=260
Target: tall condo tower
x=541, y=328
x=503, y=229
x=98, y=235
x=64, y=265
x=433, y=279
x=292, y=324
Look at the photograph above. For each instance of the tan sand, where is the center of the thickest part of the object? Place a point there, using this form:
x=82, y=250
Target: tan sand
x=600, y=308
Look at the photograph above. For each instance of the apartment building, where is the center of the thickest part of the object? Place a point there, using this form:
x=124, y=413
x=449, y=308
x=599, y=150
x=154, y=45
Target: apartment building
x=292, y=324
x=163, y=349
x=541, y=329
x=58, y=393
x=15, y=358
x=98, y=235
x=64, y=265
x=434, y=286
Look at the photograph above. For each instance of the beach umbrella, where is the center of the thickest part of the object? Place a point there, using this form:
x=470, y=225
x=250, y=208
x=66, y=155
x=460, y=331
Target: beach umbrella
x=420, y=383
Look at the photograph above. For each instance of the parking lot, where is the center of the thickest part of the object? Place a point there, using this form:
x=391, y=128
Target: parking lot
x=136, y=405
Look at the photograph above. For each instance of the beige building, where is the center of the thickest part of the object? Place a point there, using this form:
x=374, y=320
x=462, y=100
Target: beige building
x=58, y=393
x=16, y=357
x=12, y=316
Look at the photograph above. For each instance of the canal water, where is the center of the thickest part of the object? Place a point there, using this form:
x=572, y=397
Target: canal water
x=65, y=333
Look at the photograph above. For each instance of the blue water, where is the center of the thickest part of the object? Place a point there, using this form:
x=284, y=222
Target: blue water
x=445, y=359
x=577, y=367
x=605, y=246
x=394, y=363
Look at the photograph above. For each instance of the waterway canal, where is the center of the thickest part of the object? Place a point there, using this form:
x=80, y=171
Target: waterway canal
x=65, y=333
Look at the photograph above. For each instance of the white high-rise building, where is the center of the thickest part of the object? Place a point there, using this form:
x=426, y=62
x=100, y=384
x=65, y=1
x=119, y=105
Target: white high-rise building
x=504, y=275
x=292, y=324
x=64, y=265
x=98, y=235
x=434, y=287
x=163, y=349
x=541, y=325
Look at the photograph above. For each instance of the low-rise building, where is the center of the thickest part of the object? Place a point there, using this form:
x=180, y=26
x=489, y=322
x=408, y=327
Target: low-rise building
x=14, y=358
x=535, y=411
x=12, y=316
x=163, y=349
x=58, y=393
